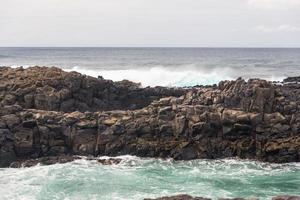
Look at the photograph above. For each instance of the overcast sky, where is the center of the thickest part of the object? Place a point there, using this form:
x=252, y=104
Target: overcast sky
x=185, y=23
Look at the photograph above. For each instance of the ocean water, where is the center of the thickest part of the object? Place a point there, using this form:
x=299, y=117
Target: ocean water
x=136, y=178
x=163, y=66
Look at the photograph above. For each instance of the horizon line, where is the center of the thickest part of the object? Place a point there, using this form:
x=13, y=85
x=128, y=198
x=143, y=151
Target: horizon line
x=190, y=47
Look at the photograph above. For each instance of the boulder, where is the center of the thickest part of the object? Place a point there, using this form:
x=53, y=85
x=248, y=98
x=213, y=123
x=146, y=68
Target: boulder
x=11, y=120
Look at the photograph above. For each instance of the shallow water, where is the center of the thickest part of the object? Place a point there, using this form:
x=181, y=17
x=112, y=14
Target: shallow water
x=137, y=178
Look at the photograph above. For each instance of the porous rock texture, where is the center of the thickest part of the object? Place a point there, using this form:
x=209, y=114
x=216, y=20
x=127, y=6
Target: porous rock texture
x=49, y=112
x=56, y=90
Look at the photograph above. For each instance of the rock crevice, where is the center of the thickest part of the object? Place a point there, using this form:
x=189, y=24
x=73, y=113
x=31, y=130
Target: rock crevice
x=252, y=119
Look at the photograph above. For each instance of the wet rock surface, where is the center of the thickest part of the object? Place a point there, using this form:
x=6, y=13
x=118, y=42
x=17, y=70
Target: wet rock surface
x=188, y=197
x=252, y=119
x=180, y=197
x=43, y=161
x=286, y=197
x=50, y=160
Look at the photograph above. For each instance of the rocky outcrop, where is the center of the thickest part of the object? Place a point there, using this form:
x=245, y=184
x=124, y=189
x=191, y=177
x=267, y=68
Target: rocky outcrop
x=54, y=89
x=292, y=79
x=252, y=119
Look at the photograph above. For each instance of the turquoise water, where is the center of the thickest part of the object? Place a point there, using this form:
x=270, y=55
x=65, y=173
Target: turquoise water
x=136, y=178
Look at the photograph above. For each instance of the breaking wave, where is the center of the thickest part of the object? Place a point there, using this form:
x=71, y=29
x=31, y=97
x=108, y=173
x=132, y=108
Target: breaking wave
x=183, y=77
x=138, y=178
x=163, y=66
x=160, y=76
x=165, y=76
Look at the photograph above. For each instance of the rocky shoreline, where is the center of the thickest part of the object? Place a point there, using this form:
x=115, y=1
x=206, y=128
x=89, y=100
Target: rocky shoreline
x=47, y=112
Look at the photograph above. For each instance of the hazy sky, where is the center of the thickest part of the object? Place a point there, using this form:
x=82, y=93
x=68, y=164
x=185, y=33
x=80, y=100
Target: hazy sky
x=202, y=23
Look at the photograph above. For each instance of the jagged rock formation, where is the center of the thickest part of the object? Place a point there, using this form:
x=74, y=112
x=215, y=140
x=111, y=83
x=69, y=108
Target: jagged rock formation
x=254, y=119
x=56, y=90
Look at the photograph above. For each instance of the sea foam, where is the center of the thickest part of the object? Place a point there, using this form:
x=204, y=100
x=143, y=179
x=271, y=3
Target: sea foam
x=161, y=76
x=186, y=76
x=138, y=178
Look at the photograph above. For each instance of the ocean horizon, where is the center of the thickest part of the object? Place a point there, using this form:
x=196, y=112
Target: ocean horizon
x=164, y=66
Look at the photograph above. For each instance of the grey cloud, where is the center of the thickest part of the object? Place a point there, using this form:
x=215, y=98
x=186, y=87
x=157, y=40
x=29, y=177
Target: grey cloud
x=148, y=23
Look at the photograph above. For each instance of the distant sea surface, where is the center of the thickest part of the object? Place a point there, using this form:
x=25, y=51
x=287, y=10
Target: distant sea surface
x=163, y=66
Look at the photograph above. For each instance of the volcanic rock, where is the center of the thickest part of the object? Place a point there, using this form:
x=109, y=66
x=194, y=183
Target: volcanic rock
x=57, y=113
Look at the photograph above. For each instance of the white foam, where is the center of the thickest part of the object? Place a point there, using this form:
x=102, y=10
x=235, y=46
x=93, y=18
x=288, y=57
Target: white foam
x=16, y=66
x=139, y=178
x=160, y=76
x=186, y=76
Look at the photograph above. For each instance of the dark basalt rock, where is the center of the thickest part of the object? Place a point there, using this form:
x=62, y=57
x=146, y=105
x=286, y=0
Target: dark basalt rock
x=56, y=90
x=43, y=161
x=109, y=161
x=252, y=119
x=180, y=197
x=236, y=199
x=286, y=197
x=50, y=160
x=291, y=79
